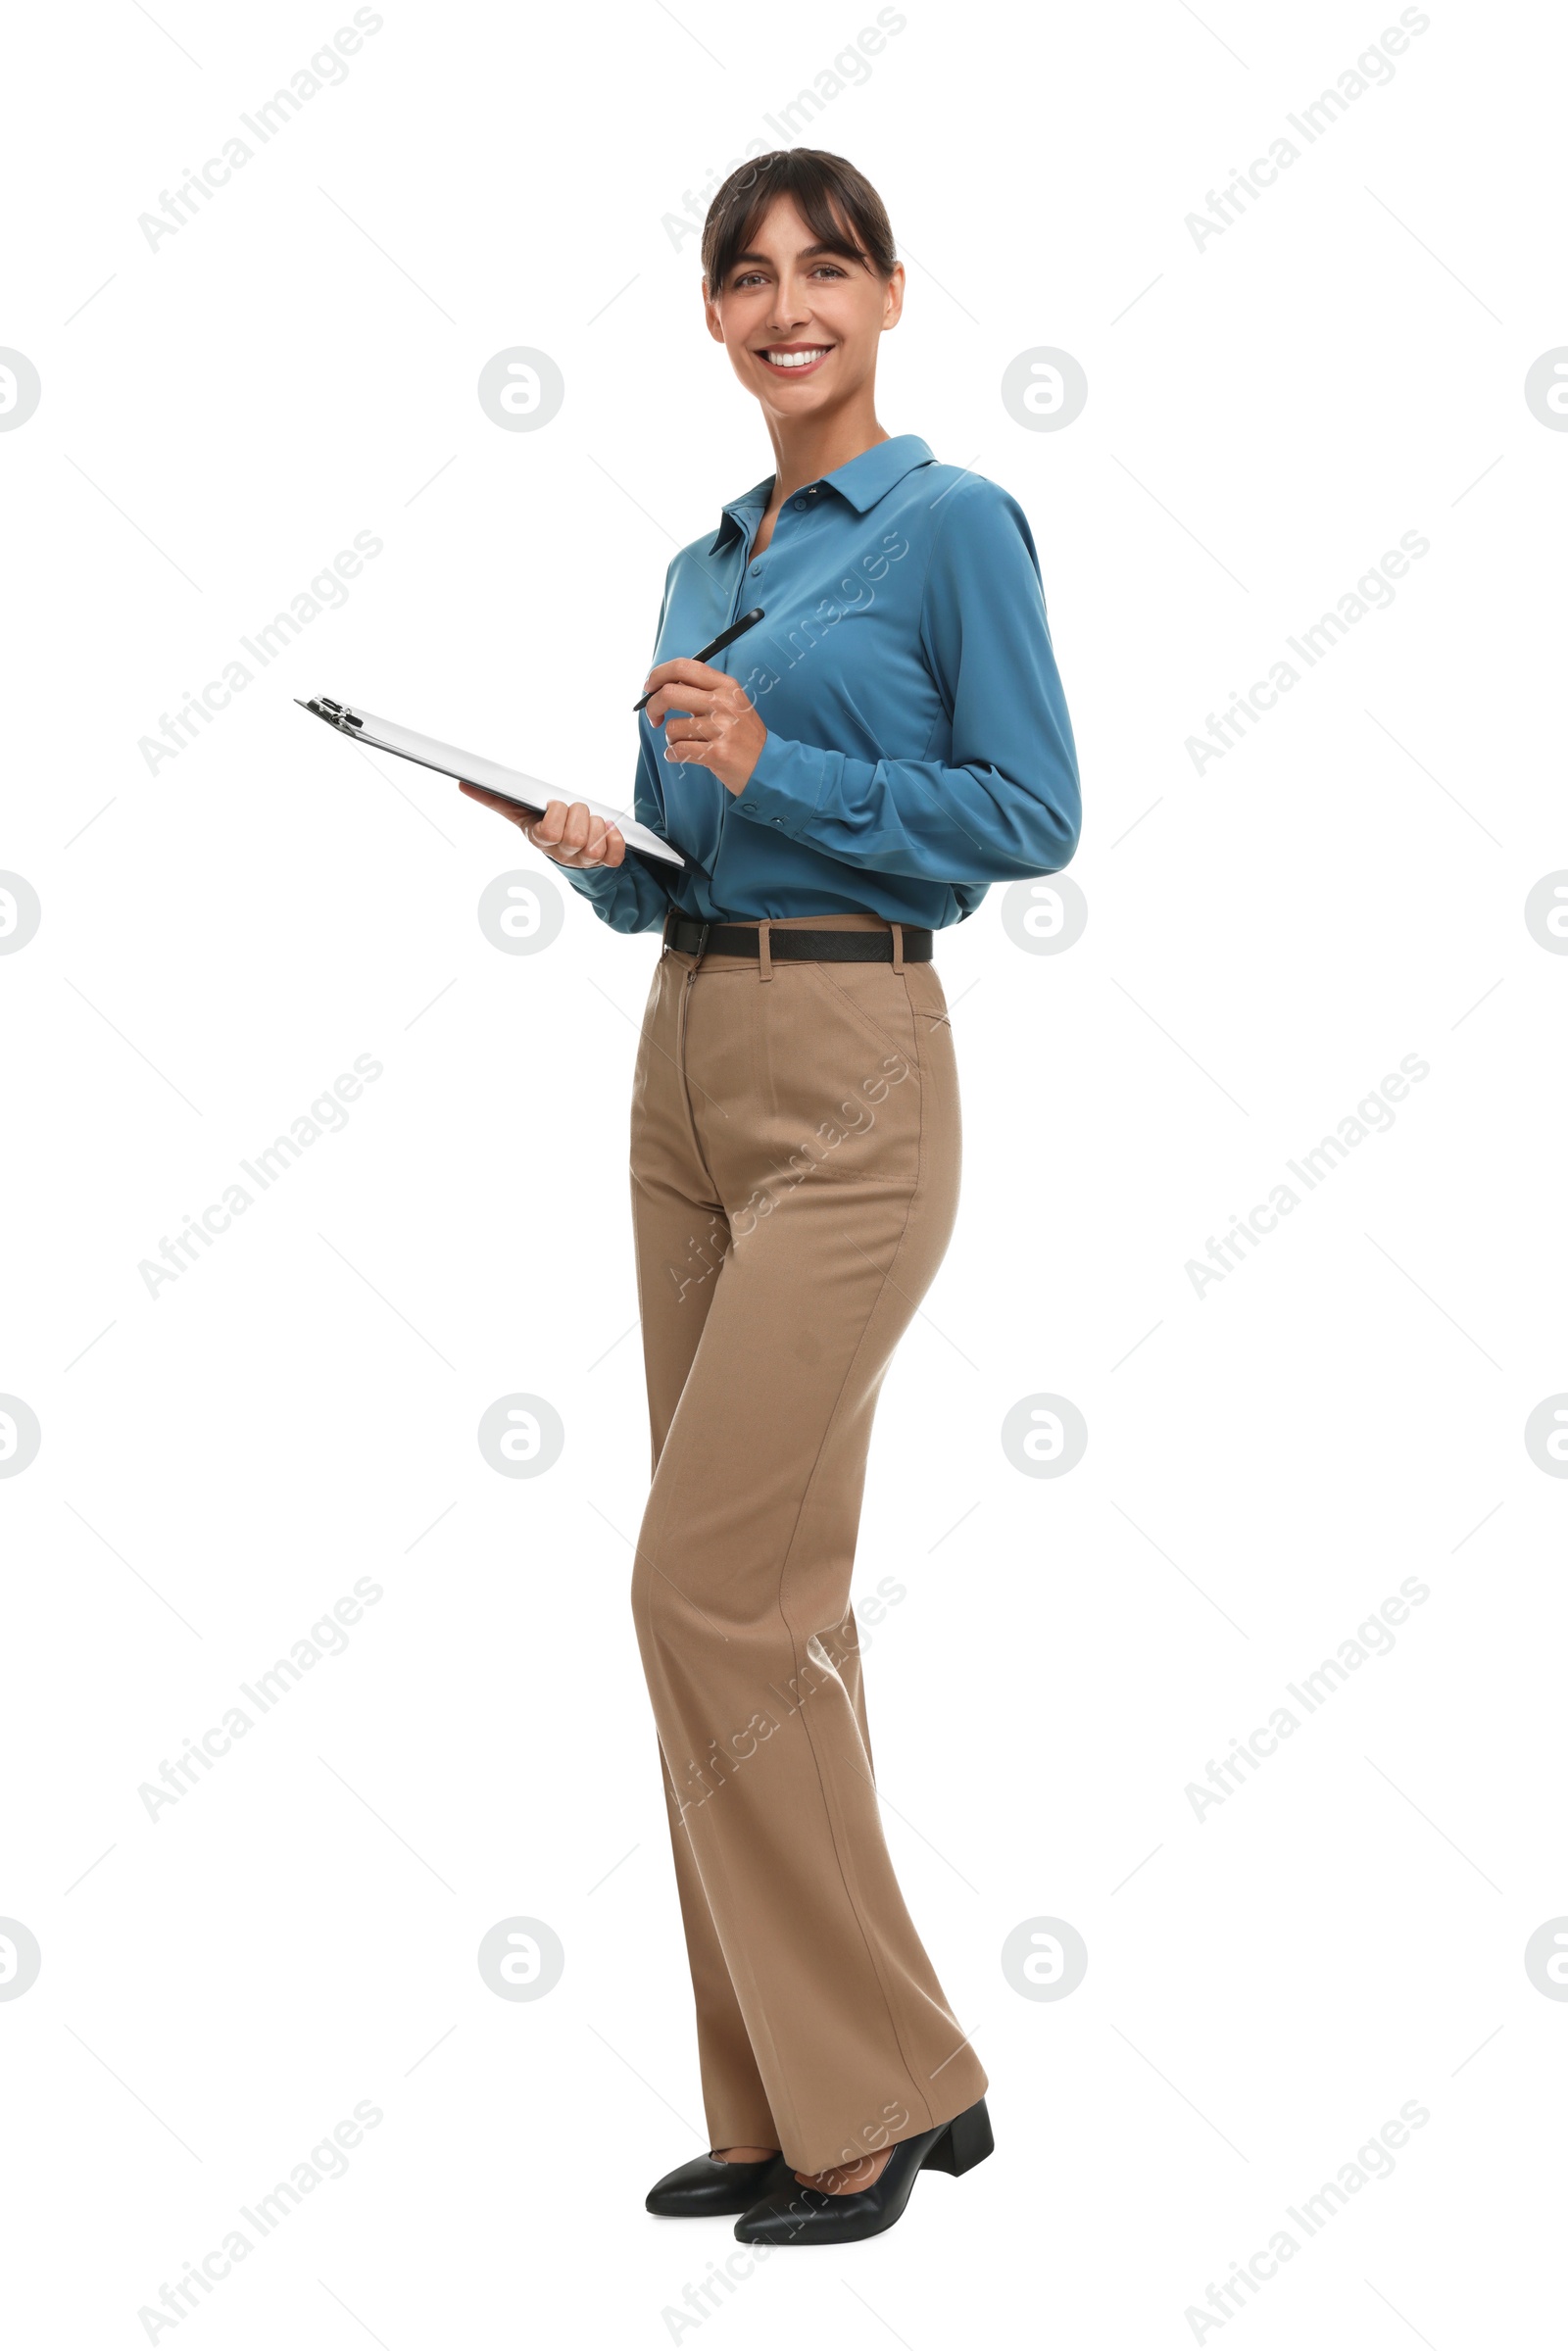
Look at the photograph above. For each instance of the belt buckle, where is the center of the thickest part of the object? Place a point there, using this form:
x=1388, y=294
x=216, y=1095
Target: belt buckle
x=700, y=948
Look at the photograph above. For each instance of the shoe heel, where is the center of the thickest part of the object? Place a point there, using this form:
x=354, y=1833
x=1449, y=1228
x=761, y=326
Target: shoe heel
x=966, y=2141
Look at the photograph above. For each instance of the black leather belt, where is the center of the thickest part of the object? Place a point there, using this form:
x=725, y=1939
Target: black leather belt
x=693, y=938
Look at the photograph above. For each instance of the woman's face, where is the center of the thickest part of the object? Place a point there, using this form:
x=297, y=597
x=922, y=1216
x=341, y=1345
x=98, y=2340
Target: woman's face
x=800, y=324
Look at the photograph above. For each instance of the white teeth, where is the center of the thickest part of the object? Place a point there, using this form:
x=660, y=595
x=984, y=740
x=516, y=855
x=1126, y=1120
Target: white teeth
x=795, y=358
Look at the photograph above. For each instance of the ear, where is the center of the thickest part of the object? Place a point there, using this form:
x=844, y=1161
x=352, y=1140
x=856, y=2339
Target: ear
x=893, y=300
x=711, y=314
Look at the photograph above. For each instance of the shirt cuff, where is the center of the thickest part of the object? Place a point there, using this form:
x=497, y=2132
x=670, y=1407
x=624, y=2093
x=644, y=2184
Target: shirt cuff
x=782, y=789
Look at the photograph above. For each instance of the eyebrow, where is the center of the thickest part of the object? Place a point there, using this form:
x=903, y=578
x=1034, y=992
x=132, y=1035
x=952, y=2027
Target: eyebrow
x=808, y=253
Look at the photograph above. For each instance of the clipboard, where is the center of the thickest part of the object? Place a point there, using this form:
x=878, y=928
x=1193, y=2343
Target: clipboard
x=468, y=767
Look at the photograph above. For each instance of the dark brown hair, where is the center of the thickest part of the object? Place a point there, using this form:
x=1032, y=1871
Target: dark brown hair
x=838, y=204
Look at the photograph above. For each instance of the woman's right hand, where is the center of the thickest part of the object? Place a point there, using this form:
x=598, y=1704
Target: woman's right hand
x=570, y=834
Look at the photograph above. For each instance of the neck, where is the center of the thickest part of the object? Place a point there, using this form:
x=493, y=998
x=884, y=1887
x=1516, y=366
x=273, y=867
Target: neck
x=807, y=449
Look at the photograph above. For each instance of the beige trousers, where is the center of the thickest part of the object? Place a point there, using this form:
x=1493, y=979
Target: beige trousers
x=795, y=1165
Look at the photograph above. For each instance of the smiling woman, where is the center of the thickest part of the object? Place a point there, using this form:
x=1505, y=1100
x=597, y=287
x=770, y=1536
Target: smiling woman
x=846, y=779
x=847, y=242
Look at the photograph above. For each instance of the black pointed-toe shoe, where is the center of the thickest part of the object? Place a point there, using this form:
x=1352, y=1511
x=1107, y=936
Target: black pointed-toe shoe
x=708, y=2186
x=788, y=2214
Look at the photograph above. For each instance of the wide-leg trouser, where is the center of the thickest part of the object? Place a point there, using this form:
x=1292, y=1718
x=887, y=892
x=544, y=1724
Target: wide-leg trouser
x=795, y=1168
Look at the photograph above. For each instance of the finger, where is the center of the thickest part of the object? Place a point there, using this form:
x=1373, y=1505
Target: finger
x=566, y=839
x=599, y=841
x=547, y=829
x=685, y=672
x=694, y=730
x=604, y=839
x=676, y=697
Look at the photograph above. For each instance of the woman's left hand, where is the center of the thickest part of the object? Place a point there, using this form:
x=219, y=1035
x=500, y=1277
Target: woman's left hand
x=723, y=732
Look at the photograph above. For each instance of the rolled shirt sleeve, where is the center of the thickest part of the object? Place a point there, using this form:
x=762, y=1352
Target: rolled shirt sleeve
x=1003, y=804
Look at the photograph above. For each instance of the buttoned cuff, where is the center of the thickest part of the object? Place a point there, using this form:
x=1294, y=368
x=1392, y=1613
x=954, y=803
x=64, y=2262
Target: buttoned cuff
x=783, y=787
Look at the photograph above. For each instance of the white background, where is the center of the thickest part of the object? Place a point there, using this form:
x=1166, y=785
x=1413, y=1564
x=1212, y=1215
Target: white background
x=1267, y=414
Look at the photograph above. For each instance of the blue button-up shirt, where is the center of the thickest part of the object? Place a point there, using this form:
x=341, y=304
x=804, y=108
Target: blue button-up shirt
x=919, y=746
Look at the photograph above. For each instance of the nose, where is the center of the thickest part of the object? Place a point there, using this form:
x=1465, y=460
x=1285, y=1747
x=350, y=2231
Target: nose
x=791, y=309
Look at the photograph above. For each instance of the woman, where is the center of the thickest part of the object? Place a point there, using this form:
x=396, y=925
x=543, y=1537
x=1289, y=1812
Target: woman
x=848, y=778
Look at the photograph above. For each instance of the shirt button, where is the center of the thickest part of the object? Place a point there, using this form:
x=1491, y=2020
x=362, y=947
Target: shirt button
x=756, y=569
x=801, y=501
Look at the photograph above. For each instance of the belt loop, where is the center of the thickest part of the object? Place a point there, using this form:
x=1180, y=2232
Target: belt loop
x=764, y=948
x=898, y=947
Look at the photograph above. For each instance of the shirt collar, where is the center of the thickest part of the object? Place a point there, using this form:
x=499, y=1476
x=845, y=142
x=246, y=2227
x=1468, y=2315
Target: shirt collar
x=860, y=483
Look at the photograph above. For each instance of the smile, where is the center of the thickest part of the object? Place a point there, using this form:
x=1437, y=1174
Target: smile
x=796, y=362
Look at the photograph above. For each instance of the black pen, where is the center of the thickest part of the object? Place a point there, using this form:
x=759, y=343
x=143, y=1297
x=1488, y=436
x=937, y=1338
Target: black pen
x=747, y=620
